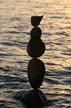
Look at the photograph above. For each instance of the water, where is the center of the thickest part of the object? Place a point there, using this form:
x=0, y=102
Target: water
x=14, y=36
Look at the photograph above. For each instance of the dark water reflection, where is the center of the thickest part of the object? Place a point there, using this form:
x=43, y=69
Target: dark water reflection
x=15, y=28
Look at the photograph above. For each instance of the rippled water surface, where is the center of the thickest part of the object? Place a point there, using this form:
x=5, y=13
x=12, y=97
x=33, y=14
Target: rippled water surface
x=15, y=27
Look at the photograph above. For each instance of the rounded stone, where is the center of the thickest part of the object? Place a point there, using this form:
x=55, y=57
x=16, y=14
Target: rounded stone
x=32, y=99
x=35, y=20
x=36, y=71
x=36, y=32
x=35, y=48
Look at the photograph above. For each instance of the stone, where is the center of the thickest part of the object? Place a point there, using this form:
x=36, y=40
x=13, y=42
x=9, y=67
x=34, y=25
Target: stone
x=36, y=33
x=35, y=48
x=32, y=99
x=36, y=71
x=35, y=20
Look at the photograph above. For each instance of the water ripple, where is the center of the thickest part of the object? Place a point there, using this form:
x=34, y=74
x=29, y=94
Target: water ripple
x=62, y=33
x=15, y=26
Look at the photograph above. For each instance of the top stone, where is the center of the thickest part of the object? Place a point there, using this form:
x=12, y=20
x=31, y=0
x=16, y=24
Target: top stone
x=35, y=20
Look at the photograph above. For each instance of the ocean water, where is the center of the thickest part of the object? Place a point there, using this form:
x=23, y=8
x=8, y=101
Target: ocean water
x=15, y=30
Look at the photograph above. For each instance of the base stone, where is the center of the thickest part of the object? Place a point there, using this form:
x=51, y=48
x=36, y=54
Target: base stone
x=32, y=98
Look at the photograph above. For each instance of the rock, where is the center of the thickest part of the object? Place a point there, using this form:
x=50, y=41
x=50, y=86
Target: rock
x=32, y=99
x=35, y=20
x=36, y=71
x=35, y=48
x=36, y=33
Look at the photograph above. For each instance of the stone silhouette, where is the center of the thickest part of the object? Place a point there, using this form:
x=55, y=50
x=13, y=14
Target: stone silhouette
x=36, y=71
x=35, y=20
x=35, y=49
x=36, y=33
x=32, y=99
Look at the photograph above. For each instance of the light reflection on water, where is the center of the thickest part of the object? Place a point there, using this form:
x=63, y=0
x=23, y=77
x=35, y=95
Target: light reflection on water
x=14, y=36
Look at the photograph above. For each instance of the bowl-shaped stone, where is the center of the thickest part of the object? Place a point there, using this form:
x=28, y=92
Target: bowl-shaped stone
x=35, y=20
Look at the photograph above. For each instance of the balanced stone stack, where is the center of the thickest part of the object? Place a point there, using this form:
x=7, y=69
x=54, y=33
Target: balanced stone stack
x=35, y=49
